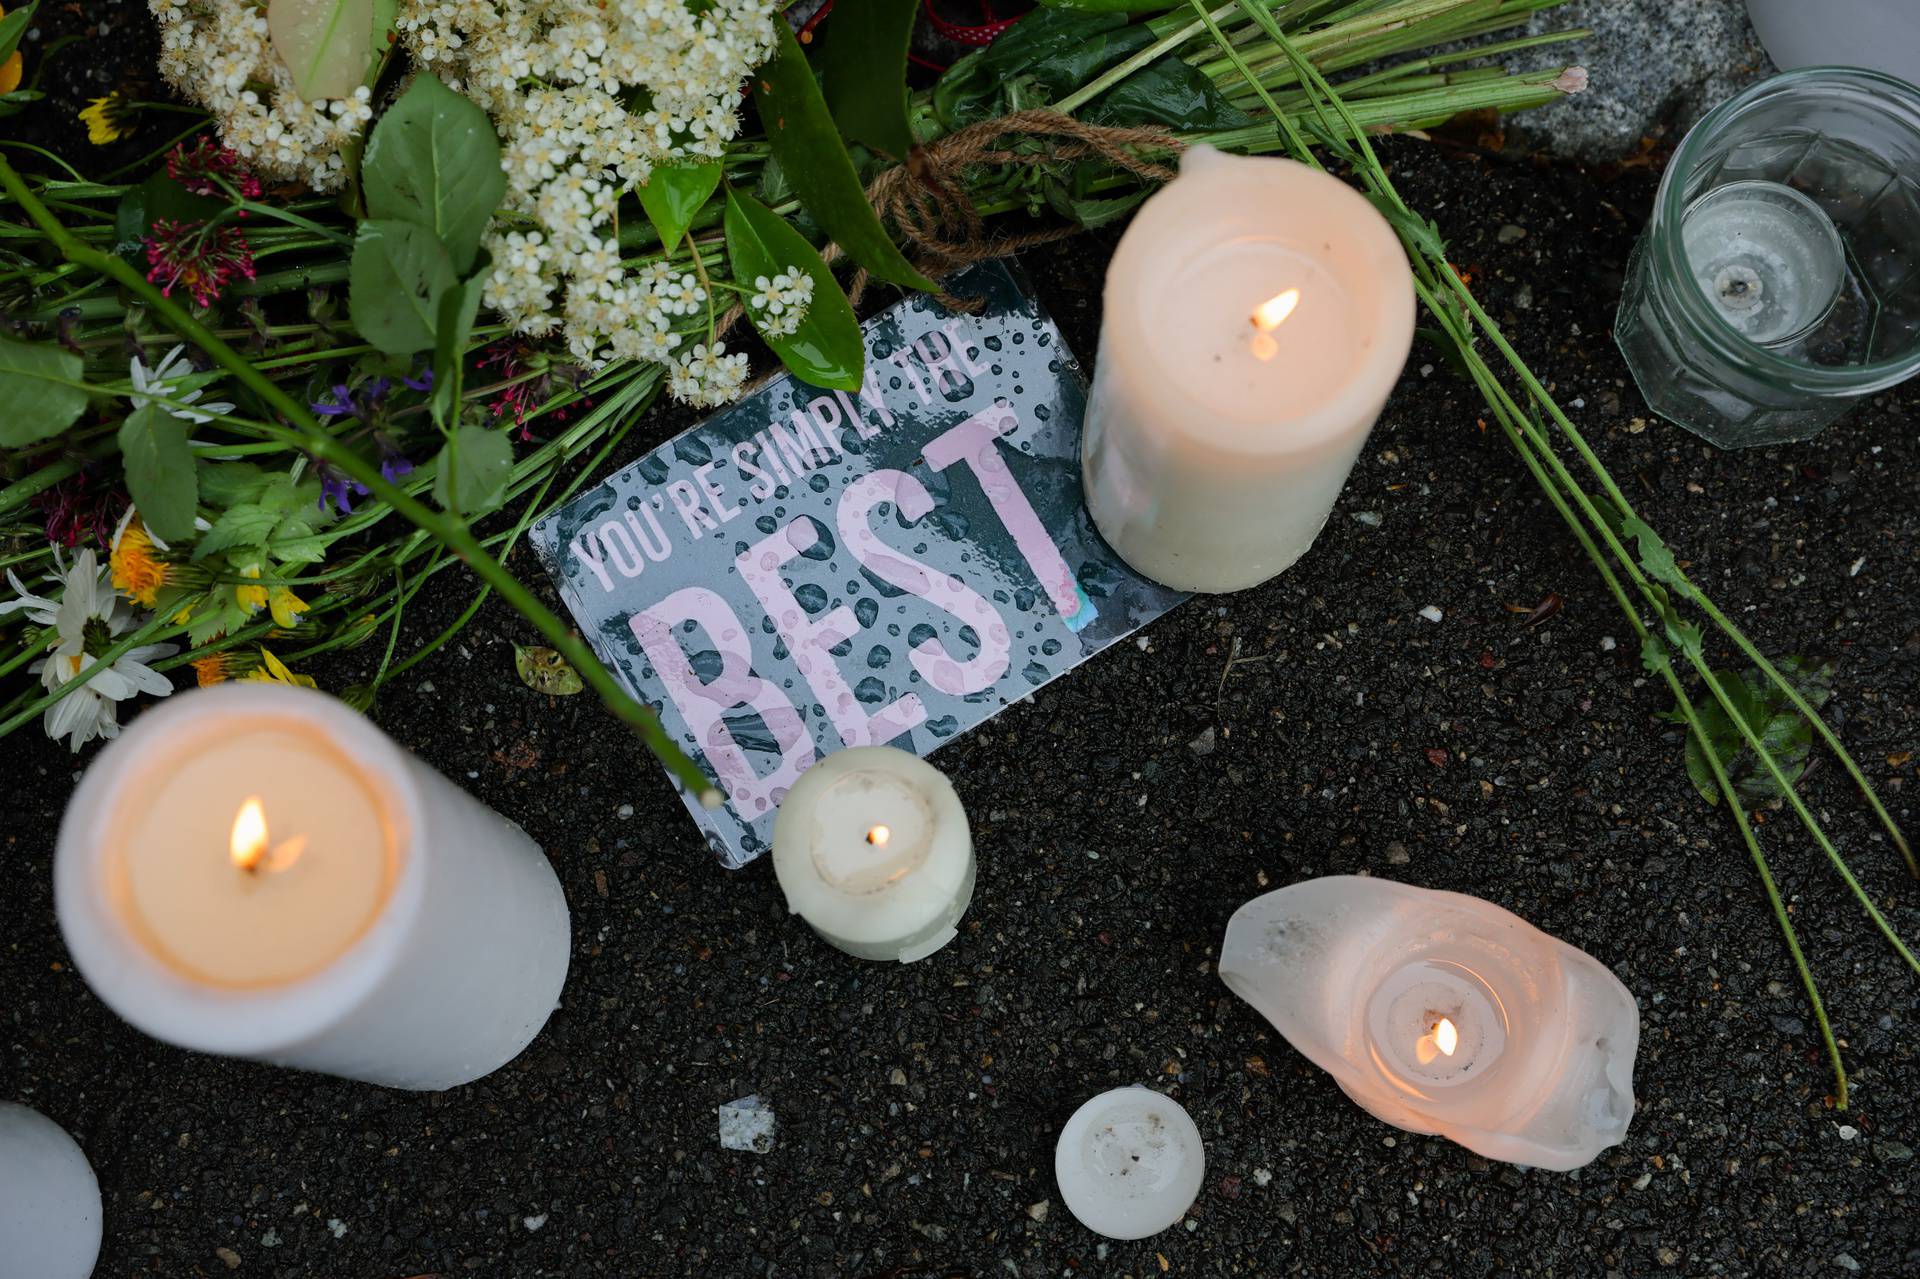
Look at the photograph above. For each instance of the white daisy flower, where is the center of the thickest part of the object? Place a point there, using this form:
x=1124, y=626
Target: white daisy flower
x=156, y=386
x=87, y=618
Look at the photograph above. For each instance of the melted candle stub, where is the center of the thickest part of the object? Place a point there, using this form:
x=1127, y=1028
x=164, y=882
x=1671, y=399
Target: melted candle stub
x=1129, y=1163
x=1441, y=1013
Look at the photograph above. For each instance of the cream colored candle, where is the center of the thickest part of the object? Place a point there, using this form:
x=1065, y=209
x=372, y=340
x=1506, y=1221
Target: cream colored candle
x=871, y=847
x=256, y=870
x=1257, y=313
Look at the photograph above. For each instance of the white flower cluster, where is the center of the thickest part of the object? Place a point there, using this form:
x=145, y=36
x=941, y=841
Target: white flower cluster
x=216, y=53
x=588, y=97
x=557, y=76
x=780, y=303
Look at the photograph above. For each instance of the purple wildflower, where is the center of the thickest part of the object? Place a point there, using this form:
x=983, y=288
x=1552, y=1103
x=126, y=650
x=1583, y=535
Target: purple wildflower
x=393, y=466
x=339, y=490
x=342, y=405
x=423, y=383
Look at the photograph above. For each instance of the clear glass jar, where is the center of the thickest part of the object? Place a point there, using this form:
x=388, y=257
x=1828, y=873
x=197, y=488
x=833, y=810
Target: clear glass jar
x=1778, y=281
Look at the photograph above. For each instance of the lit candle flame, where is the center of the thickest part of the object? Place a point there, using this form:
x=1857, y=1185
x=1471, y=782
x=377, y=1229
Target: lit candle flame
x=1443, y=1038
x=879, y=835
x=250, y=848
x=1267, y=317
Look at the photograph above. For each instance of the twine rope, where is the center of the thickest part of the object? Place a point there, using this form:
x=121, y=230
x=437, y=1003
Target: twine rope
x=926, y=201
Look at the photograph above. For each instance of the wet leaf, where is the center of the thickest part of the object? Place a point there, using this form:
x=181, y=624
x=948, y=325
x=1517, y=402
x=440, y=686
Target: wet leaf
x=327, y=45
x=866, y=72
x=1766, y=710
x=673, y=195
x=827, y=349
x=544, y=671
x=433, y=160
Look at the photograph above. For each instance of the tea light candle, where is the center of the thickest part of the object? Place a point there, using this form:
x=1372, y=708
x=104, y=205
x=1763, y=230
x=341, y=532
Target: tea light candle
x=255, y=870
x=1129, y=1163
x=871, y=847
x=49, y=1200
x=1441, y=1013
x=1258, y=311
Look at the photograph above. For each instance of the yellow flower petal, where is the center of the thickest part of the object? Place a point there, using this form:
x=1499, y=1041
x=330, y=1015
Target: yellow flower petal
x=287, y=607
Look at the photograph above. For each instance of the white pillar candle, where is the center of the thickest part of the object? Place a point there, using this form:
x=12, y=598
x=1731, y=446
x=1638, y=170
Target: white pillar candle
x=1129, y=1163
x=871, y=847
x=49, y=1200
x=1257, y=313
x=256, y=870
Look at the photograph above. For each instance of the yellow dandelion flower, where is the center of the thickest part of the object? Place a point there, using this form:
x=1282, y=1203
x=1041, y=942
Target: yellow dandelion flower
x=214, y=668
x=276, y=672
x=138, y=572
x=107, y=119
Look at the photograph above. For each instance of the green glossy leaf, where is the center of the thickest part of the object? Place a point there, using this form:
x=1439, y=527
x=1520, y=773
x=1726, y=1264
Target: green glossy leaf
x=802, y=135
x=326, y=45
x=1044, y=56
x=866, y=72
x=13, y=27
x=159, y=465
x=398, y=274
x=458, y=307
x=1765, y=709
x=1169, y=92
x=470, y=474
x=544, y=671
x=673, y=196
x=827, y=349
x=434, y=161
x=40, y=386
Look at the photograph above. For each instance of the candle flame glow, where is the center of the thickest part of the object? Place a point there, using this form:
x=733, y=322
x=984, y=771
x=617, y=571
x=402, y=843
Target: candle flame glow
x=1267, y=317
x=879, y=835
x=250, y=848
x=1445, y=1037
x=1272, y=313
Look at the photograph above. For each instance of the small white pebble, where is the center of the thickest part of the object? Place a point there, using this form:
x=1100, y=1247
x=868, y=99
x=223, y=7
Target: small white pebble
x=534, y=1223
x=1426, y=370
x=426, y=686
x=1848, y=1132
x=338, y=1227
x=1857, y=566
x=1142, y=642
x=1372, y=519
x=1431, y=613
x=271, y=1239
x=1038, y=1211
x=1580, y=404
x=1607, y=644
x=623, y=812
x=1261, y=1176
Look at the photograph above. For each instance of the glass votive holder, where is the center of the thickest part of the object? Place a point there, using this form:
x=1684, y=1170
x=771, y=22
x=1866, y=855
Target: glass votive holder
x=1778, y=281
x=1441, y=1013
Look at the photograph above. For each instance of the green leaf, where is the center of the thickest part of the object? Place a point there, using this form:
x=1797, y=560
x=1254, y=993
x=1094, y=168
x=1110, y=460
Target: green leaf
x=458, y=307
x=326, y=45
x=398, y=274
x=827, y=349
x=866, y=72
x=545, y=671
x=13, y=27
x=1655, y=557
x=1048, y=53
x=248, y=524
x=1169, y=92
x=434, y=161
x=470, y=474
x=40, y=386
x=159, y=465
x=802, y=135
x=673, y=196
x=1765, y=709
x=224, y=484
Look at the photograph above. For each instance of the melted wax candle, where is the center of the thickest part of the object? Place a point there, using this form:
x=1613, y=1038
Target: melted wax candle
x=49, y=1200
x=1441, y=1013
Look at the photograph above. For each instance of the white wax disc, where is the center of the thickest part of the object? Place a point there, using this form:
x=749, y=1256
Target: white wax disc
x=1129, y=1163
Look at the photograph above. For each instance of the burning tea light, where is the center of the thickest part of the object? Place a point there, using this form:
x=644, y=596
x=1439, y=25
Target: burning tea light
x=872, y=848
x=1129, y=1163
x=49, y=1200
x=1440, y=1013
x=255, y=870
x=1258, y=312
